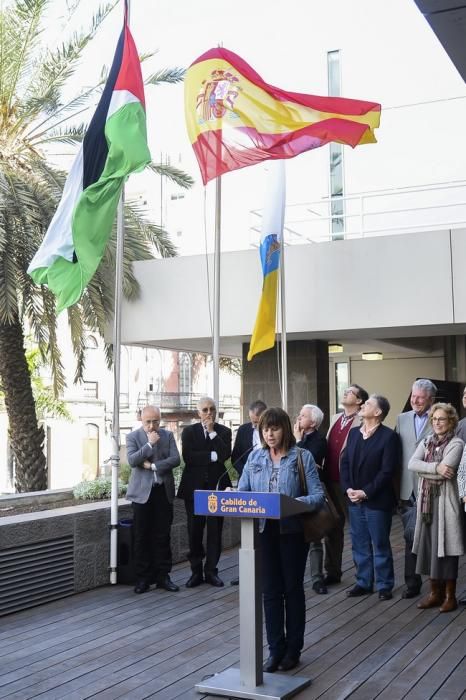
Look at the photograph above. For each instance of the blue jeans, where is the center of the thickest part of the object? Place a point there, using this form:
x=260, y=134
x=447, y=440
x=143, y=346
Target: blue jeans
x=372, y=552
x=283, y=564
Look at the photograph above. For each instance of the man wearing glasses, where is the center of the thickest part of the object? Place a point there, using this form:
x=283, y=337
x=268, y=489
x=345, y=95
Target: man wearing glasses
x=206, y=446
x=152, y=454
x=412, y=427
x=340, y=425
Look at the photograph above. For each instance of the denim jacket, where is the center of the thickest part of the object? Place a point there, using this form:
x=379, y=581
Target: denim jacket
x=256, y=477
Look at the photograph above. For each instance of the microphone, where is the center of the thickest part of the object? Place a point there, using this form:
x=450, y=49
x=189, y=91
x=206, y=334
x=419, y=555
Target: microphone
x=233, y=464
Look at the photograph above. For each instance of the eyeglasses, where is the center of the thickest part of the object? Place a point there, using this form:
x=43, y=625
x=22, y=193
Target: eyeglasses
x=439, y=420
x=207, y=409
x=351, y=391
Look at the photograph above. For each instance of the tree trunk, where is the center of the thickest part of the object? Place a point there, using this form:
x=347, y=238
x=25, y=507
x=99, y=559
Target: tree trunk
x=26, y=436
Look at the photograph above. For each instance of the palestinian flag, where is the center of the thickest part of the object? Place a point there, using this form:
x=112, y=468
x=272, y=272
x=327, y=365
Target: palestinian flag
x=115, y=145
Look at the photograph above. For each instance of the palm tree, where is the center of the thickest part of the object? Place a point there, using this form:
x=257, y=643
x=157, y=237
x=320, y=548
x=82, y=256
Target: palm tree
x=33, y=117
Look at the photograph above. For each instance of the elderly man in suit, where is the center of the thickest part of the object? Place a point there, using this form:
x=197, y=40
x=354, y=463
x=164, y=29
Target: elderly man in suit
x=353, y=398
x=206, y=446
x=152, y=454
x=367, y=468
x=412, y=427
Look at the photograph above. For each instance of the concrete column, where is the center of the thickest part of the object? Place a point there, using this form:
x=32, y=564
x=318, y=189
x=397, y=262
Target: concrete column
x=308, y=377
x=455, y=358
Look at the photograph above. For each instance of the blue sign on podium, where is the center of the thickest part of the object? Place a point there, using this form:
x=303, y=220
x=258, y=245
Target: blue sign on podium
x=247, y=504
x=239, y=504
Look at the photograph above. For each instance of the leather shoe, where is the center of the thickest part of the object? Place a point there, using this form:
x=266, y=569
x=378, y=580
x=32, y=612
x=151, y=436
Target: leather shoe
x=385, y=594
x=194, y=580
x=141, y=587
x=288, y=662
x=234, y=581
x=319, y=587
x=410, y=592
x=167, y=584
x=214, y=580
x=358, y=591
x=330, y=580
x=272, y=663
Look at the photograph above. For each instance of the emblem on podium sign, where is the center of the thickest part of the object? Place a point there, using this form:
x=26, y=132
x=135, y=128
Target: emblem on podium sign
x=212, y=503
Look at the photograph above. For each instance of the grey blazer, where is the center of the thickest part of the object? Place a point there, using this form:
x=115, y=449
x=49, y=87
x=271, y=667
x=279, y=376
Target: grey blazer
x=405, y=429
x=164, y=455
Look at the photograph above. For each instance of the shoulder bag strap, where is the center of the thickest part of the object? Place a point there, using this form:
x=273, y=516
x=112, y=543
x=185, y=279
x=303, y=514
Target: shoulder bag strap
x=302, y=478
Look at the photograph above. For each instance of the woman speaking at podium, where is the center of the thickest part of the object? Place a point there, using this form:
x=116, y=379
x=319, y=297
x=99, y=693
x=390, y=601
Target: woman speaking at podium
x=274, y=468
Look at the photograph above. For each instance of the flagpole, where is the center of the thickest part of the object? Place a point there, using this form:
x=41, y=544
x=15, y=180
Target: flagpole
x=282, y=300
x=115, y=458
x=216, y=310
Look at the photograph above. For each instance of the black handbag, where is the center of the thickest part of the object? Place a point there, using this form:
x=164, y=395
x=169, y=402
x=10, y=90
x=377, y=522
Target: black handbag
x=320, y=522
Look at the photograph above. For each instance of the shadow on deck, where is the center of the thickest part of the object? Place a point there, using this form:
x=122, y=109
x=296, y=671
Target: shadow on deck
x=110, y=643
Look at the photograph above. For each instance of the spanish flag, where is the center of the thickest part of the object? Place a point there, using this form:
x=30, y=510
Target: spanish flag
x=263, y=335
x=114, y=146
x=235, y=119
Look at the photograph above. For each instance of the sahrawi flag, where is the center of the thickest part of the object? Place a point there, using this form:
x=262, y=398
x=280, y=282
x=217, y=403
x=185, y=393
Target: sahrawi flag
x=115, y=145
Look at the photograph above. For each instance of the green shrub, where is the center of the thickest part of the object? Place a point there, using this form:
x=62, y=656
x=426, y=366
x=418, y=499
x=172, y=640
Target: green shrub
x=100, y=488
x=125, y=473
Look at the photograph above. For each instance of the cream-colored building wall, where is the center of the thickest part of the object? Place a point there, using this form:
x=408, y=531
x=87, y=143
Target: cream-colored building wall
x=393, y=378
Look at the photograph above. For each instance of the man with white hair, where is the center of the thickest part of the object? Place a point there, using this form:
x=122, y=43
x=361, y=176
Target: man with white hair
x=306, y=432
x=412, y=427
x=206, y=446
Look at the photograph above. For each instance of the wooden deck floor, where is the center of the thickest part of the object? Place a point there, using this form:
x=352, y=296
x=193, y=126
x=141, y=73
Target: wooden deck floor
x=110, y=643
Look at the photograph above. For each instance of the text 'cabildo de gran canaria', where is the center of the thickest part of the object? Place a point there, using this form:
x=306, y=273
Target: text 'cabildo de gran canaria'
x=241, y=505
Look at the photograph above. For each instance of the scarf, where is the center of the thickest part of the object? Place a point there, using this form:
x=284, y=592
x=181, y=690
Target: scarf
x=435, y=447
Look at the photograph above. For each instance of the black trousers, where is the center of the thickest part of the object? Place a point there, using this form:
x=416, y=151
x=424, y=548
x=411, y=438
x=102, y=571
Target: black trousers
x=152, y=523
x=196, y=526
x=413, y=580
x=283, y=559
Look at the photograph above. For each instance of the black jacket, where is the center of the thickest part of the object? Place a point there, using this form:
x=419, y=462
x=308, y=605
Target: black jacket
x=242, y=446
x=199, y=470
x=370, y=464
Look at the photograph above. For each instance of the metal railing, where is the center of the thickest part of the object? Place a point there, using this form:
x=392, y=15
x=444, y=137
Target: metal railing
x=182, y=401
x=377, y=213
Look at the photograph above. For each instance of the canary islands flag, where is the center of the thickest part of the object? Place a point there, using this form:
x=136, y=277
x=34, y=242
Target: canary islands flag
x=115, y=145
x=263, y=335
x=235, y=119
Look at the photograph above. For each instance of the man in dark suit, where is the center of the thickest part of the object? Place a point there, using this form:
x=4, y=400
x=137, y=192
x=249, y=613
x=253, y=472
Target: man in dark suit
x=247, y=439
x=367, y=468
x=206, y=446
x=152, y=454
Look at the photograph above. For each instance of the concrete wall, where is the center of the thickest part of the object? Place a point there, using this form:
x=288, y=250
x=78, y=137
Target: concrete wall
x=373, y=285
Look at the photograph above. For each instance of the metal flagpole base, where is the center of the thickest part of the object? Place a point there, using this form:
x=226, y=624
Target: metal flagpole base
x=274, y=687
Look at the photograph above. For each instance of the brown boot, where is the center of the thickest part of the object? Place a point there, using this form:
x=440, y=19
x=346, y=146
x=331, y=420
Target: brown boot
x=450, y=603
x=435, y=597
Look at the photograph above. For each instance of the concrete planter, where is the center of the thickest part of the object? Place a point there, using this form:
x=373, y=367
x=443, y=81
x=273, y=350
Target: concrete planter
x=66, y=550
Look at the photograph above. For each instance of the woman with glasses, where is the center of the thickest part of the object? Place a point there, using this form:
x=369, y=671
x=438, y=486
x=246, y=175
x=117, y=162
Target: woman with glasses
x=438, y=539
x=275, y=468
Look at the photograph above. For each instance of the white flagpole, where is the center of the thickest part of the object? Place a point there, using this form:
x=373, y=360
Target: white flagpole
x=115, y=458
x=216, y=310
x=282, y=303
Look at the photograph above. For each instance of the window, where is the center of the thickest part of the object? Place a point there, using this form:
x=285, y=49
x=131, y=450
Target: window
x=185, y=377
x=341, y=382
x=336, y=186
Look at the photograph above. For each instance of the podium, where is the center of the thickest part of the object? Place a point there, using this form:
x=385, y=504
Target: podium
x=249, y=680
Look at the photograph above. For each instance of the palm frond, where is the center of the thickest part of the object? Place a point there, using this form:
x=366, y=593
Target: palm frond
x=166, y=75
x=70, y=135
x=174, y=174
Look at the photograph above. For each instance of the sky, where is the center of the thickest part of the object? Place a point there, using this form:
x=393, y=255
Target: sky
x=389, y=55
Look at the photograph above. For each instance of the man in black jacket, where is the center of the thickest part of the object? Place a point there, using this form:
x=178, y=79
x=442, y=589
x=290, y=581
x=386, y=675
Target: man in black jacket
x=206, y=446
x=367, y=468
